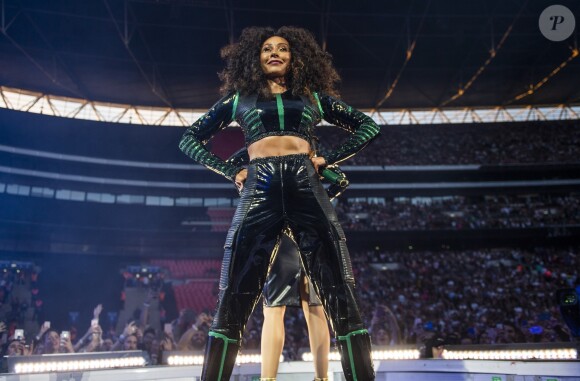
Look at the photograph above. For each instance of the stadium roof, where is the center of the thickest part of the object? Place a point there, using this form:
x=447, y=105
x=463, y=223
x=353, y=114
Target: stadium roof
x=392, y=54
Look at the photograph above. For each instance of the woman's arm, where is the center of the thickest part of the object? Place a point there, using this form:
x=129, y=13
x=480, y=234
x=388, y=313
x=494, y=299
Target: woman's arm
x=184, y=343
x=194, y=139
x=362, y=127
x=240, y=158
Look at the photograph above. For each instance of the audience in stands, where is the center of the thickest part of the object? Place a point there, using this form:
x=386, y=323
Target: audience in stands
x=482, y=296
x=506, y=294
x=460, y=212
x=487, y=144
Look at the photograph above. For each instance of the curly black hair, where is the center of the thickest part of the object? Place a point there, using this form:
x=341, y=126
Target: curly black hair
x=311, y=68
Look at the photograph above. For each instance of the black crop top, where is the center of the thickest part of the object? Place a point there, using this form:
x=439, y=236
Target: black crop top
x=285, y=114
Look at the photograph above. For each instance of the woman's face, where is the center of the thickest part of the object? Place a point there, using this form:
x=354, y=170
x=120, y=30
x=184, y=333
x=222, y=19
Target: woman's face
x=16, y=348
x=130, y=343
x=275, y=57
x=52, y=340
x=107, y=345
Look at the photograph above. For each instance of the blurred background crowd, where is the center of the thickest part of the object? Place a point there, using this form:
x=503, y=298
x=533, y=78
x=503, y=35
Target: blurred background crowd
x=486, y=296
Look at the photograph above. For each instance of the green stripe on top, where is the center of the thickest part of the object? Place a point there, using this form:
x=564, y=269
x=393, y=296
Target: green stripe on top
x=280, y=111
x=235, y=106
x=319, y=105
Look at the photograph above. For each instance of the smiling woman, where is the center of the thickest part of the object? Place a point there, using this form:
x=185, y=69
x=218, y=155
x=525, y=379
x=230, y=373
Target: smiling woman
x=275, y=59
x=279, y=85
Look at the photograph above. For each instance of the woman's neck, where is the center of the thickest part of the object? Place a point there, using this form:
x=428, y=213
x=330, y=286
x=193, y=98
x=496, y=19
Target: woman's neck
x=277, y=85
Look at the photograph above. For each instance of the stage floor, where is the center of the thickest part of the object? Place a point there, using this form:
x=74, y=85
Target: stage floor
x=392, y=370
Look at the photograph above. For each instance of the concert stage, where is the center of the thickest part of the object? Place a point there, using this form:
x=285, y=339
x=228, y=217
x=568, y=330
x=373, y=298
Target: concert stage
x=390, y=370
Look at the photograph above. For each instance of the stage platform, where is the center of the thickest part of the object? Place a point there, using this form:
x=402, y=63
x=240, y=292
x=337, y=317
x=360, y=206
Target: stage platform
x=391, y=370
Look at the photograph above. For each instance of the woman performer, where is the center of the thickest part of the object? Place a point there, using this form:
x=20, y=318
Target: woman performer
x=279, y=85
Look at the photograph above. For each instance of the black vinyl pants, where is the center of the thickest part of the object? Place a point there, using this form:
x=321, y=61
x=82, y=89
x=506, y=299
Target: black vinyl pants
x=283, y=191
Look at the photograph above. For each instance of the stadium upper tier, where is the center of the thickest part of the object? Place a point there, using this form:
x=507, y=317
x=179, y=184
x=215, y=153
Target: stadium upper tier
x=86, y=109
x=119, y=159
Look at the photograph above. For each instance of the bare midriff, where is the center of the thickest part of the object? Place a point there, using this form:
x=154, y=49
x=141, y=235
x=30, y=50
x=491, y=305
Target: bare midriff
x=278, y=146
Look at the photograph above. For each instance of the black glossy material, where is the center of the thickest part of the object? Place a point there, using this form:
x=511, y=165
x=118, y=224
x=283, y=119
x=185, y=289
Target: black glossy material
x=202, y=130
x=241, y=159
x=356, y=364
x=282, y=287
x=219, y=360
x=285, y=192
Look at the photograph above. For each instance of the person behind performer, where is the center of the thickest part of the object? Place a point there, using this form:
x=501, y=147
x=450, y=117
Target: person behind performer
x=287, y=286
x=279, y=84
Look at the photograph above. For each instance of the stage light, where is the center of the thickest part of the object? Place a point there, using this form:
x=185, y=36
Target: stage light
x=66, y=362
x=249, y=359
x=183, y=359
x=180, y=358
x=504, y=352
x=398, y=353
x=512, y=354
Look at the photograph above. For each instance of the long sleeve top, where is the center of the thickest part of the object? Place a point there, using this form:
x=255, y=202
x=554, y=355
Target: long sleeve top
x=284, y=114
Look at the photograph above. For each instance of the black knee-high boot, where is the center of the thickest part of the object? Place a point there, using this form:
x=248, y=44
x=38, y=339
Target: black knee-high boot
x=355, y=354
x=220, y=357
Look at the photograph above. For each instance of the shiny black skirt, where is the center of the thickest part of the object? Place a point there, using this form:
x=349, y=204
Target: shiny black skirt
x=282, y=287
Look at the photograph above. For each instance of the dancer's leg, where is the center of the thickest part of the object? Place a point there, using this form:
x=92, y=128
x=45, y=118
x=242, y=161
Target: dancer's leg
x=318, y=333
x=252, y=238
x=326, y=260
x=272, y=340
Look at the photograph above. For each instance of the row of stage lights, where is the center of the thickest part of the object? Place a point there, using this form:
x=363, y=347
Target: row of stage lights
x=514, y=354
x=178, y=359
x=411, y=354
x=183, y=359
x=73, y=362
x=65, y=363
x=49, y=366
x=395, y=354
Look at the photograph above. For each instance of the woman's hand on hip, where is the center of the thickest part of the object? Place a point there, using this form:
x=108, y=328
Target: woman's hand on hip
x=241, y=179
x=318, y=162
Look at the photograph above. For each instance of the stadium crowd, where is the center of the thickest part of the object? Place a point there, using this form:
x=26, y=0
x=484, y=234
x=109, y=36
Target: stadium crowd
x=459, y=212
x=476, y=296
x=486, y=296
x=486, y=144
